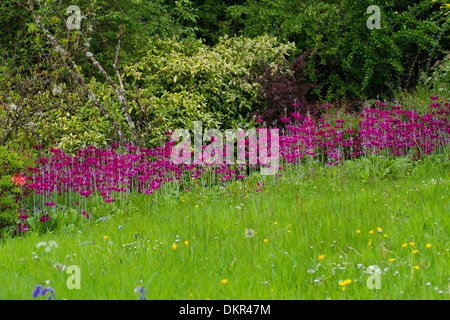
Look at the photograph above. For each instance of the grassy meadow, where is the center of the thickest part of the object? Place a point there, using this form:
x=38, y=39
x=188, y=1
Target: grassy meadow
x=309, y=234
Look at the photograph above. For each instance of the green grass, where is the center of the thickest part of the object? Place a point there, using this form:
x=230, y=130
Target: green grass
x=303, y=214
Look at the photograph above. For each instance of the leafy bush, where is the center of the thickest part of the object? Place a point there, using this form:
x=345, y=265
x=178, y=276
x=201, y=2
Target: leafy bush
x=353, y=61
x=11, y=164
x=158, y=17
x=50, y=108
x=284, y=89
x=181, y=82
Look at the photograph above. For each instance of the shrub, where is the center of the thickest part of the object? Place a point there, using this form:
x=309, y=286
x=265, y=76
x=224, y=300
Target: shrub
x=11, y=164
x=284, y=89
x=353, y=61
x=181, y=82
x=49, y=108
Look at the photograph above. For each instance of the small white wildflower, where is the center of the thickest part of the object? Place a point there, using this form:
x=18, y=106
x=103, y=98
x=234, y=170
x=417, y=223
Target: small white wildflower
x=249, y=233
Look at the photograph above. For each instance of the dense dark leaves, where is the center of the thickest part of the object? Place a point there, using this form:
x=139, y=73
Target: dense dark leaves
x=284, y=88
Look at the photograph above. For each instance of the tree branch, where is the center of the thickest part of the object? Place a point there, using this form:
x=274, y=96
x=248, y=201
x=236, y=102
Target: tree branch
x=77, y=74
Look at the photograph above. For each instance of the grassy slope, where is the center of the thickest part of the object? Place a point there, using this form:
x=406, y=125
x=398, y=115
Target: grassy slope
x=301, y=216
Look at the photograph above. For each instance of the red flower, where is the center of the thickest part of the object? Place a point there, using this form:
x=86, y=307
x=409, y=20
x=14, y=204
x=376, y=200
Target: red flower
x=18, y=180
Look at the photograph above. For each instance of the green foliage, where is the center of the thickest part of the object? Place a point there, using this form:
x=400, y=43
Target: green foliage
x=181, y=82
x=353, y=61
x=440, y=79
x=11, y=162
x=21, y=41
x=174, y=80
x=378, y=168
x=66, y=219
x=419, y=98
x=214, y=21
x=141, y=20
x=48, y=108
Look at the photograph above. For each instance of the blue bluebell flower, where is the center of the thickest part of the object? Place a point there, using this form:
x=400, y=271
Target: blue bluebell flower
x=143, y=293
x=52, y=293
x=36, y=291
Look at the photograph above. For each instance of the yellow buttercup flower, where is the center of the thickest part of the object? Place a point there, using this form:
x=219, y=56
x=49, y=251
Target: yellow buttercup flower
x=415, y=251
x=186, y=243
x=358, y=231
x=391, y=259
x=428, y=245
x=174, y=246
x=404, y=245
x=321, y=257
x=224, y=281
x=265, y=240
x=416, y=267
x=105, y=237
x=412, y=244
x=371, y=232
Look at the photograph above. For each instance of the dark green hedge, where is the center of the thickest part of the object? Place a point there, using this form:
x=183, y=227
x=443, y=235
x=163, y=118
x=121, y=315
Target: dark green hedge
x=353, y=61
